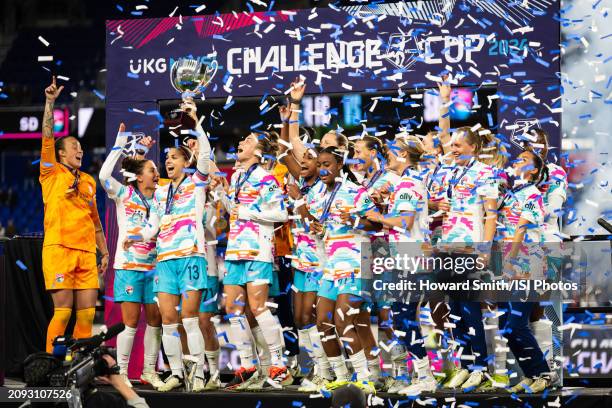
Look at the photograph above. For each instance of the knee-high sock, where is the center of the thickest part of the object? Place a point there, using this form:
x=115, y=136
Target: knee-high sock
x=305, y=343
x=542, y=331
x=240, y=335
x=125, y=340
x=152, y=343
x=496, y=343
x=172, y=348
x=322, y=363
x=57, y=325
x=84, y=323
x=271, y=333
x=195, y=340
x=263, y=352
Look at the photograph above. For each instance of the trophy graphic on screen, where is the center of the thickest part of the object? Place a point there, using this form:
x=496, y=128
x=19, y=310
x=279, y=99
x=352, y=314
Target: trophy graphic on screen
x=190, y=77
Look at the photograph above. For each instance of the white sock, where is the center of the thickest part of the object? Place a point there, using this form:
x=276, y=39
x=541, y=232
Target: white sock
x=213, y=361
x=374, y=367
x=263, y=352
x=271, y=333
x=496, y=344
x=152, y=343
x=172, y=348
x=305, y=343
x=125, y=340
x=360, y=365
x=319, y=354
x=195, y=341
x=339, y=367
x=422, y=368
x=399, y=362
x=542, y=331
x=241, y=338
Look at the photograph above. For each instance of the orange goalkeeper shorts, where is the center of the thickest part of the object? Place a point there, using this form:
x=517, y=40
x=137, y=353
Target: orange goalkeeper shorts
x=66, y=268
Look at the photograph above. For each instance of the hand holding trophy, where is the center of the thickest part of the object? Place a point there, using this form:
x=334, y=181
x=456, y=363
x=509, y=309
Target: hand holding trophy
x=190, y=76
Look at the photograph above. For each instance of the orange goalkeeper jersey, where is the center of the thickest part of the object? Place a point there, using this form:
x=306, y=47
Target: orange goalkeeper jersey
x=70, y=215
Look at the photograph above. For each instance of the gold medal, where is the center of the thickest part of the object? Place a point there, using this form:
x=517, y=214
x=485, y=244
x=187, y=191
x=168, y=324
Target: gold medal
x=221, y=223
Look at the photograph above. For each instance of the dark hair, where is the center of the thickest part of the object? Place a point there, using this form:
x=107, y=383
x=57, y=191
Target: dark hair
x=338, y=155
x=538, y=164
x=541, y=138
x=186, y=153
x=373, y=143
x=60, y=144
x=349, y=396
x=134, y=166
x=267, y=142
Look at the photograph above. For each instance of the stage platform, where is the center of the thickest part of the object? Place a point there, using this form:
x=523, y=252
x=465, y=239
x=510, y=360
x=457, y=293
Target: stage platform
x=577, y=397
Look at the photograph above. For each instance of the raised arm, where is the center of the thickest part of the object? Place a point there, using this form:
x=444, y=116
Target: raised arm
x=286, y=156
x=444, y=120
x=47, y=152
x=296, y=95
x=110, y=184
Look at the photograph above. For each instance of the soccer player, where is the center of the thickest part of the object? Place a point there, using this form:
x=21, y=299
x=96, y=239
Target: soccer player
x=255, y=203
x=72, y=230
x=522, y=215
x=134, y=268
x=177, y=218
x=470, y=221
x=342, y=226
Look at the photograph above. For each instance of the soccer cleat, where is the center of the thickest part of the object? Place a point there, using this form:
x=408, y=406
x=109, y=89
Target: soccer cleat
x=214, y=382
x=277, y=378
x=313, y=385
x=199, y=384
x=171, y=383
x=456, y=377
x=540, y=384
x=494, y=383
x=522, y=386
x=240, y=376
x=396, y=384
x=427, y=384
x=474, y=380
x=365, y=386
x=151, y=377
x=332, y=385
x=431, y=341
x=190, y=368
x=255, y=383
x=126, y=380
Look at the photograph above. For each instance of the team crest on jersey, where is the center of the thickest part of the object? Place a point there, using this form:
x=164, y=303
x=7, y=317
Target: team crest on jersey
x=156, y=279
x=59, y=277
x=129, y=290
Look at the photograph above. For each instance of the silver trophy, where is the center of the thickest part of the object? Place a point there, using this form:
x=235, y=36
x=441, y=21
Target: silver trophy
x=190, y=77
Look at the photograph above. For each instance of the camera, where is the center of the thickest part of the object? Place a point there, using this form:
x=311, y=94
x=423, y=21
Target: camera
x=74, y=364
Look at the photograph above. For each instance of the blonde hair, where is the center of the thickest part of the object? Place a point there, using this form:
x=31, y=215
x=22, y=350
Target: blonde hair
x=412, y=145
x=494, y=152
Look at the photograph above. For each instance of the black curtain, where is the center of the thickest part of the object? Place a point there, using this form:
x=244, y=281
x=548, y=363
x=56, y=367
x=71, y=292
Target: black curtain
x=28, y=307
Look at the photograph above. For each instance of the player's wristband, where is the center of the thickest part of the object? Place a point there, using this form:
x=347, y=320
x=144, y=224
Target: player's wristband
x=299, y=203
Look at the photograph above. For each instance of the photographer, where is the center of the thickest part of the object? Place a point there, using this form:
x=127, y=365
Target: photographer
x=104, y=399
x=39, y=367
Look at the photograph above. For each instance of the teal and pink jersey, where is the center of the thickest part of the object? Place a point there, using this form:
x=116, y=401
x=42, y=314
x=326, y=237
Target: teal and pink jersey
x=343, y=243
x=308, y=253
x=260, y=202
x=178, y=218
x=526, y=202
x=133, y=211
x=409, y=195
x=467, y=188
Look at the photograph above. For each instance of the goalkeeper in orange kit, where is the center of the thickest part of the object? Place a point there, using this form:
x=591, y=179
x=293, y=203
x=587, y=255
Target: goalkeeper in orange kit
x=72, y=230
